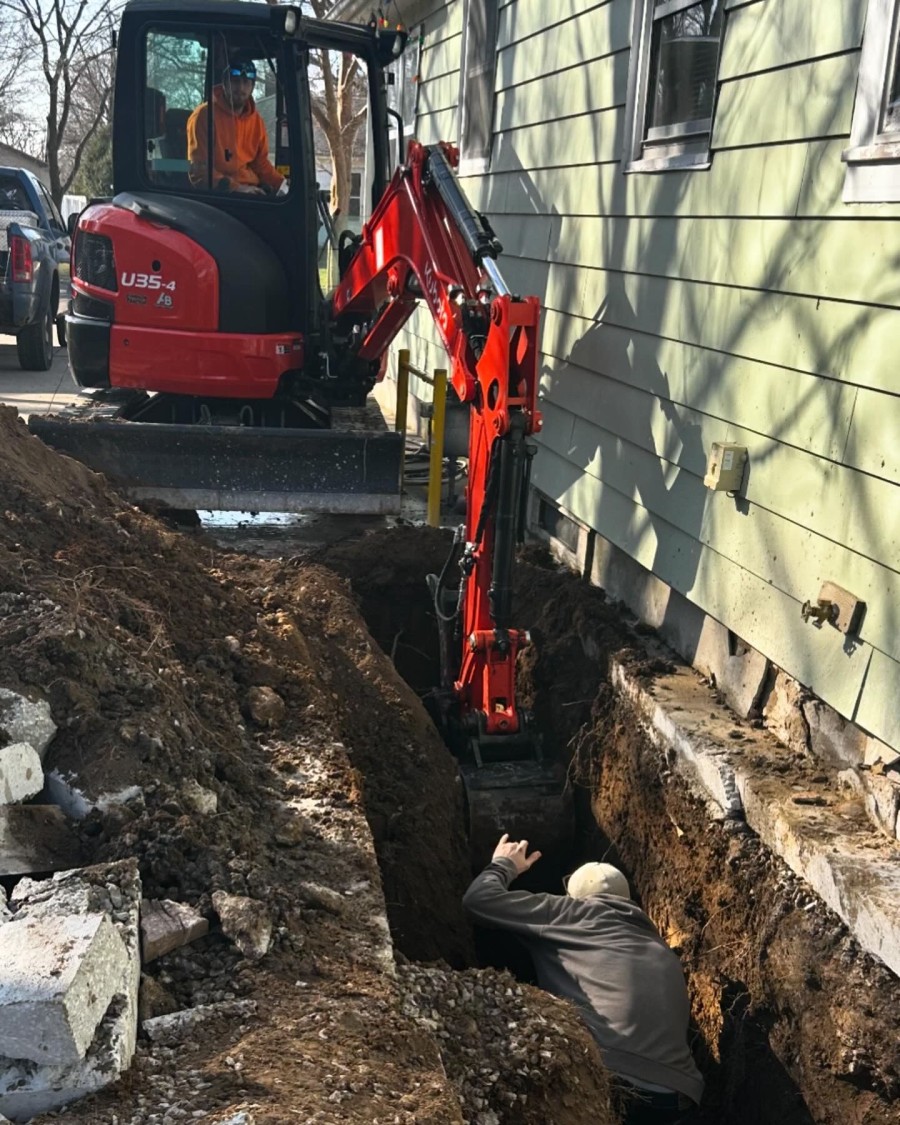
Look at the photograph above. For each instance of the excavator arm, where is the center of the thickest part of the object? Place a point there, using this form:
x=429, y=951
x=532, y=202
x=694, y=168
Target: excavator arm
x=424, y=242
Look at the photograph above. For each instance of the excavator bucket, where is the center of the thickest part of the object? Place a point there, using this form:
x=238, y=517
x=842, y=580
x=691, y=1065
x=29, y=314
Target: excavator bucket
x=527, y=799
x=280, y=467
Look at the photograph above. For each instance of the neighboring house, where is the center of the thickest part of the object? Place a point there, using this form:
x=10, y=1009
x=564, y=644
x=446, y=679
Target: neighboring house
x=705, y=197
x=14, y=158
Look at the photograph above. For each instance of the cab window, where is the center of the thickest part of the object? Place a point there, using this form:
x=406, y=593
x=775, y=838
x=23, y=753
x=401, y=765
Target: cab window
x=241, y=146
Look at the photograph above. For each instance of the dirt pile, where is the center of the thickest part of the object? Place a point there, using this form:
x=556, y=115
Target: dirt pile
x=248, y=723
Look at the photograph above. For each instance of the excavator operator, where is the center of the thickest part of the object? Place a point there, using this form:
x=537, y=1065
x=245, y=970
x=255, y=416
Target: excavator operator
x=240, y=142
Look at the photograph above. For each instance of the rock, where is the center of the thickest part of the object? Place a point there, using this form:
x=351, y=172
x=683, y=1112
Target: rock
x=246, y=922
x=26, y=721
x=27, y=1090
x=783, y=712
x=154, y=1000
x=265, y=706
x=316, y=895
x=36, y=838
x=21, y=773
x=165, y=925
x=175, y=1028
x=203, y=801
x=58, y=976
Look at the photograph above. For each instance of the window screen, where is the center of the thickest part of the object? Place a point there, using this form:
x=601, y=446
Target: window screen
x=684, y=57
x=477, y=93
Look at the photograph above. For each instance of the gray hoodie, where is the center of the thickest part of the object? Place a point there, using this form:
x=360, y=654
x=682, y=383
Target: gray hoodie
x=603, y=953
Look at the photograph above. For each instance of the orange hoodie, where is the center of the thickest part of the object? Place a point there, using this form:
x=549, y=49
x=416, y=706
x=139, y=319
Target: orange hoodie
x=240, y=143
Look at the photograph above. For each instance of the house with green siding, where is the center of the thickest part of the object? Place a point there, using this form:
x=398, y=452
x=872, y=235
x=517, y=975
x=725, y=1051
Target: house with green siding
x=705, y=196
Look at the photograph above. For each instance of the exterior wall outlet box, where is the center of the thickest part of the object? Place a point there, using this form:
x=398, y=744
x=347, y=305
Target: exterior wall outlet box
x=725, y=467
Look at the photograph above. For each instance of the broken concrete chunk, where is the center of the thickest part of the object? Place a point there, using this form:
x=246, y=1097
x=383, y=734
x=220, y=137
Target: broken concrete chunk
x=246, y=922
x=21, y=773
x=58, y=976
x=165, y=925
x=28, y=1089
x=176, y=1027
x=25, y=721
x=36, y=838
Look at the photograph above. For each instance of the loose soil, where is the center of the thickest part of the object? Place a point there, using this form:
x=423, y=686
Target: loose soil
x=289, y=688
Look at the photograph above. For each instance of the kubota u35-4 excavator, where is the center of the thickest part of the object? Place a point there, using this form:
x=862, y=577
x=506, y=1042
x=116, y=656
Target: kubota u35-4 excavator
x=225, y=363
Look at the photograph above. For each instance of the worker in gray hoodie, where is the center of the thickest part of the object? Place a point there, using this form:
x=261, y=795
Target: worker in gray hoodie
x=596, y=947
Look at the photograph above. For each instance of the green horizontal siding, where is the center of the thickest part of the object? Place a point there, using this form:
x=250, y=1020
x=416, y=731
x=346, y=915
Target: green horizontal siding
x=527, y=18
x=769, y=35
x=439, y=93
x=802, y=179
x=874, y=441
x=599, y=84
x=811, y=100
x=878, y=711
x=853, y=343
x=596, y=137
x=815, y=494
x=598, y=32
x=789, y=406
x=753, y=607
x=440, y=126
x=812, y=257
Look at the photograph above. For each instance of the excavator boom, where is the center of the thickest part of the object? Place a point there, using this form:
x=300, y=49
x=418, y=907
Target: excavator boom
x=424, y=242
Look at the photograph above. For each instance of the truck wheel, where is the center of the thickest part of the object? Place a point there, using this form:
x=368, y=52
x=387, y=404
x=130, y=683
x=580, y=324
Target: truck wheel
x=35, y=344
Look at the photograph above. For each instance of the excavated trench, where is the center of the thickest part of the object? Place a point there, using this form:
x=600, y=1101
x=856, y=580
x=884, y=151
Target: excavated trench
x=195, y=674
x=792, y=1023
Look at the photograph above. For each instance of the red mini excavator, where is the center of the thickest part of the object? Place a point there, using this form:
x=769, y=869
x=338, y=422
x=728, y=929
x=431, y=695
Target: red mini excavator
x=230, y=371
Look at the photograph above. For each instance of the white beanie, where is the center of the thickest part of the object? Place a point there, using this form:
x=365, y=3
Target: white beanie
x=597, y=879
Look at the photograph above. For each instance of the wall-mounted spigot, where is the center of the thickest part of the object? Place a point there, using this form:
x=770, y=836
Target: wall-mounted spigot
x=823, y=611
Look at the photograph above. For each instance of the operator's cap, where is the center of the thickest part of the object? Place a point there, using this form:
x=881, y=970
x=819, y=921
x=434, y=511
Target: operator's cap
x=241, y=65
x=597, y=879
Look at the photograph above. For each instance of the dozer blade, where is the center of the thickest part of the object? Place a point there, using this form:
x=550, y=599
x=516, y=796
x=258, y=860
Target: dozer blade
x=528, y=799
x=230, y=467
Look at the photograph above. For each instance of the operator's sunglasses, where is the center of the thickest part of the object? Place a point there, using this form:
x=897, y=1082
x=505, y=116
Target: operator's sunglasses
x=246, y=70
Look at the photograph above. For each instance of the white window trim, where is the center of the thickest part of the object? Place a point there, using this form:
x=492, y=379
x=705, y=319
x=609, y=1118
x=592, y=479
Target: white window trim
x=680, y=154
x=872, y=157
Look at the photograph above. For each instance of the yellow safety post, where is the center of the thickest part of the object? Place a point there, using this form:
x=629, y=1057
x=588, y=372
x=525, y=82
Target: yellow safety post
x=436, y=462
x=402, y=390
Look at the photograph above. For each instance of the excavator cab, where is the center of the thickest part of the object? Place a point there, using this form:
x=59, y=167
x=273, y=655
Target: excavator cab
x=200, y=291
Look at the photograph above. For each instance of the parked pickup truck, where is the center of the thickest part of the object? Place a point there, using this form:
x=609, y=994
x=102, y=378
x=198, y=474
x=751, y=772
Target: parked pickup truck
x=33, y=243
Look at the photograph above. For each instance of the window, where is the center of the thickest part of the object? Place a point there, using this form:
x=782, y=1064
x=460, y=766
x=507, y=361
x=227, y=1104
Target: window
x=246, y=132
x=476, y=92
x=672, y=83
x=873, y=155
x=403, y=91
x=52, y=210
x=354, y=207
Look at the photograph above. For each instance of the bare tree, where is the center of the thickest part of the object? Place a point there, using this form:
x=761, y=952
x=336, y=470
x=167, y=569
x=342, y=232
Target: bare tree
x=339, y=106
x=16, y=128
x=70, y=45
